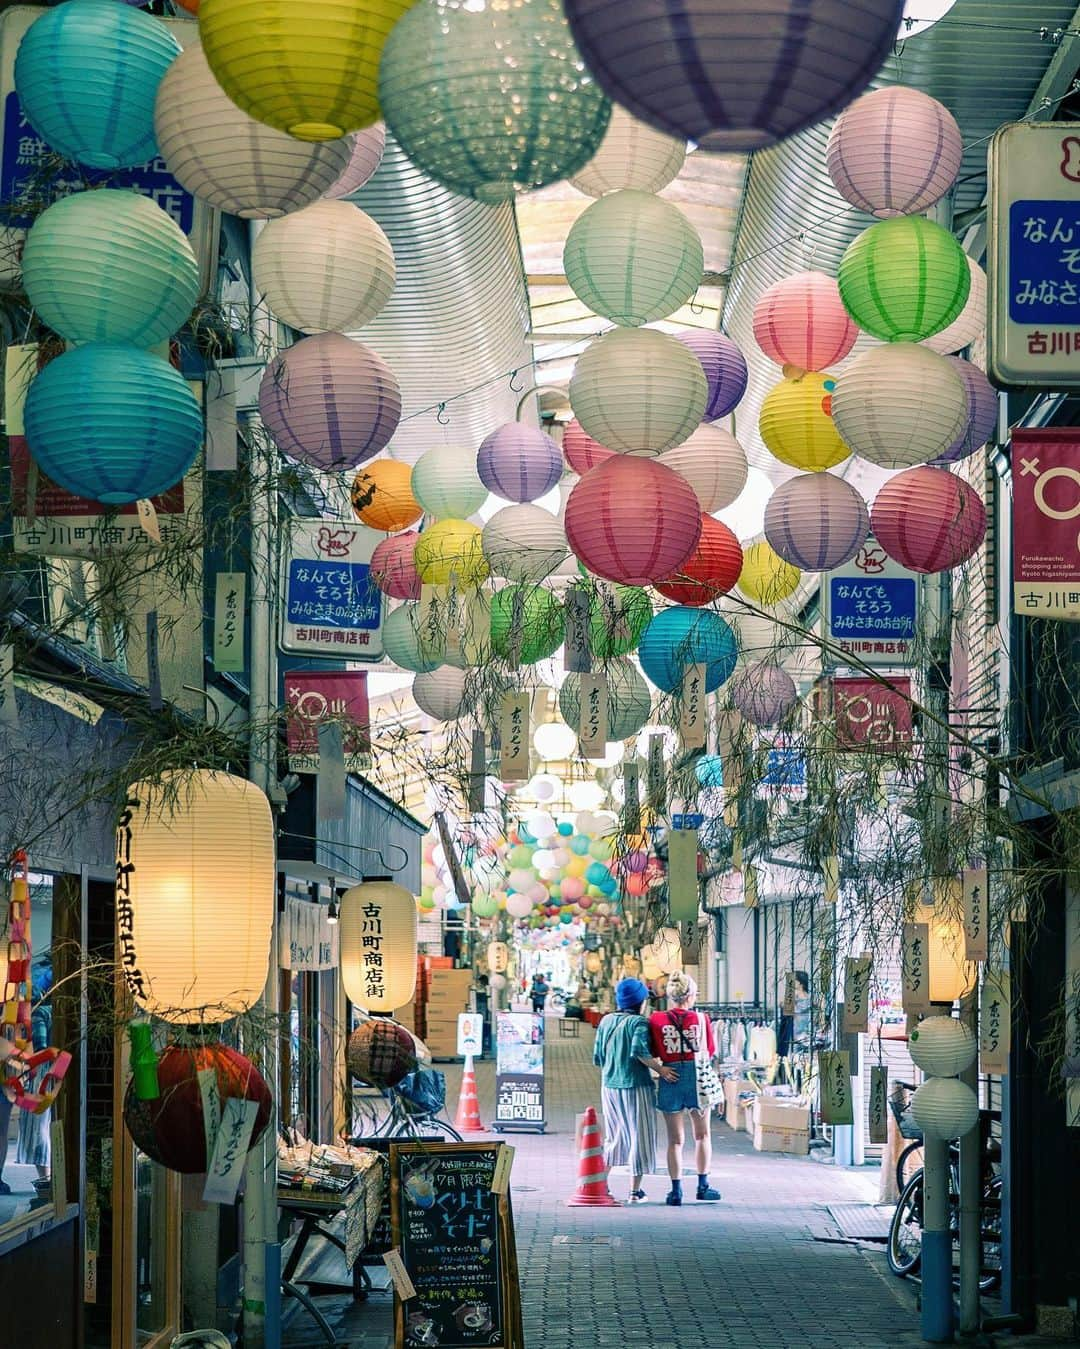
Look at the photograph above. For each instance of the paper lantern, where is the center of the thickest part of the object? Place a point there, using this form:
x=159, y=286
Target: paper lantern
x=680, y=637
x=733, y=76
x=766, y=578
x=894, y=151
x=451, y=548
x=982, y=412
x=638, y=391
x=942, y=1046
x=797, y=426
x=724, y=366
x=366, y=154
x=633, y=520
x=110, y=266
x=801, y=322
x=393, y=569
x=516, y=106
x=629, y=703
x=330, y=402
x=816, y=521
x=945, y=1108
x=553, y=741
x=382, y=496
x=631, y=155
x=441, y=693
x=192, y=6
x=484, y=906
x=714, y=464
x=377, y=922
x=971, y=323
x=518, y=906
x=195, y=894
x=764, y=694
x=580, y=450
x=710, y=571
x=87, y=75
x=527, y=622
x=379, y=1052
x=928, y=519
x=951, y=976
x=633, y=258
x=519, y=463
x=899, y=405
x=308, y=67
x=327, y=268
x=498, y=957
x=401, y=640
x=618, y=615
x=445, y=482
x=524, y=543
x=112, y=423
x=904, y=279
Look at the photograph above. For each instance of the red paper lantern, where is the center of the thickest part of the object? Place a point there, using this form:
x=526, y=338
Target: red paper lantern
x=711, y=570
x=928, y=519
x=381, y=1052
x=393, y=569
x=580, y=451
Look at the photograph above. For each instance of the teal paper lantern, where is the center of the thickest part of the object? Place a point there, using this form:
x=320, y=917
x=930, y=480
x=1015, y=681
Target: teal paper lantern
x=680, y=637
x=110, y=266
x=112, y=423
x=87, y=76
x=490, y=99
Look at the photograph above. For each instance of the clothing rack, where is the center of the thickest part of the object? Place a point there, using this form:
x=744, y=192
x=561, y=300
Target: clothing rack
x=732, y=1011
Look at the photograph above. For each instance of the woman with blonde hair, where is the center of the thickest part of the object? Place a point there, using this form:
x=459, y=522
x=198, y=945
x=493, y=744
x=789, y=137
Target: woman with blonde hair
x=679, y=1036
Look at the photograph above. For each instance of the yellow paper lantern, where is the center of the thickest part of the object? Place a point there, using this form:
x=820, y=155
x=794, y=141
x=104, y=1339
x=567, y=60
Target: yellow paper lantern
x=378, y=945
x=796, y=424
x=766, y=578
x=451, y=548
x=195, y=895
x=950, y=974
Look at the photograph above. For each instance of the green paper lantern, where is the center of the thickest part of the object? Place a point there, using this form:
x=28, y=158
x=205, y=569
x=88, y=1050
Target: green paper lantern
x=534, y=614
x=484, y=906
x=904, y=279
x=490, y=99
x=618, y=615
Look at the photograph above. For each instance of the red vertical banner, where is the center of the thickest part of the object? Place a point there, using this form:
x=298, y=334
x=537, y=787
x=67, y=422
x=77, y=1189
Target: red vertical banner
x=313, y=697
x=1046, y=522
x=873, y=714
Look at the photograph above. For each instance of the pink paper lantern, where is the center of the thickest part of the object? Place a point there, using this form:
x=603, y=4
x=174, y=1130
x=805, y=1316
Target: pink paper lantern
x=368, y=147
x=519, y=463
x=928, y=519
x=982, y=412
x=393, y=569
x=801, y=322
x=572, y=888
x=632, y=520
x=580, y=450
x=764, y=694
x=816, y=521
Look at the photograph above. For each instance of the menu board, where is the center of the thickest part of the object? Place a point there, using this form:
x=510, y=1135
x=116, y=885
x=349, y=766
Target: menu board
x=455, y=1236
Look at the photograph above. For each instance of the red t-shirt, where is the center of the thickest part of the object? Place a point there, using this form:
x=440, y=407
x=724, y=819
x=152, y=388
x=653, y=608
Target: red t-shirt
x=669, y=1045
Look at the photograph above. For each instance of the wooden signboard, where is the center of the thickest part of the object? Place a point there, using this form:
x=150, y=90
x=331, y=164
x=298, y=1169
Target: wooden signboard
x=454, y=1234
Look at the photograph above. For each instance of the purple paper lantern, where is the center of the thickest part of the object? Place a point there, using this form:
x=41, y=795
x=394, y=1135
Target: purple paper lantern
x=816, y=521
x=724, y=366
x=368, y=147
x=330, y=402
x=519, y=463
x=982, y=412
x=764, y=694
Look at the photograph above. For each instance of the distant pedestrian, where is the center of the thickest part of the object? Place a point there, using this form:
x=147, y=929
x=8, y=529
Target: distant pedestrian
x=623, y=1055
x=679, y=1035
x=539, y=992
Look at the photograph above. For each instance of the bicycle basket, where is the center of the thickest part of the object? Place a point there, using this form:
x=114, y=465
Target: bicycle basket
x=908, y=1128
x=423, y=1092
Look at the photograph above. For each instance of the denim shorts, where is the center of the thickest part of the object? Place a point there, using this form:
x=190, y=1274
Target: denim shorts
x=674, y=1097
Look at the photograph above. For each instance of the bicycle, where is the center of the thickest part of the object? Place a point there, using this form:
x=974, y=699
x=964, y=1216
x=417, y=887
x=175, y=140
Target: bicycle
x=415, y=1109
x=911, y=1158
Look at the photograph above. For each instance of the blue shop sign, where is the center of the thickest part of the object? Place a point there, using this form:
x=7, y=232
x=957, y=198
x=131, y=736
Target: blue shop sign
x=334, y=594
x=785, y=771
x=1044, y=262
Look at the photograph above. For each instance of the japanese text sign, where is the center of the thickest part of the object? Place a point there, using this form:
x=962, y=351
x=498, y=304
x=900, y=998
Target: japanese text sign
x=871, y=608
x=976, y=915
x=995, y=1022
x=857, y=971
x=316, y=696
x=514, y=738
x=1046, y=522
x=593, y=715
x=230, y=589
x=873, y=714
x=915, y=967
x=837, y=1104
x=330, y=605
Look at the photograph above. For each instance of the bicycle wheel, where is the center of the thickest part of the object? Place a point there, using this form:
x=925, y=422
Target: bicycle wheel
x=990, y=1228
x=904, y=1248
x=909, y=1161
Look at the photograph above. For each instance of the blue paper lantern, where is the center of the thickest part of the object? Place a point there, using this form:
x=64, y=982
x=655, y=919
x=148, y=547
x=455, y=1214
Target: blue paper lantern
x=87, y=75
x=112, y=423
x=709, y=770
x=680, y=637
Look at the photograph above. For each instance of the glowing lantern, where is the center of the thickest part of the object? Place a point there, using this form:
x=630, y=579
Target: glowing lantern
x=629, y=702
x=378, y=945
x=950, y=974
x=801, y=322
x=724, y=366
x=393, y=569
x=766, y=578
x=928, y=519
x=797, y=424
x=451, y=548
x=519, y=463
x=580, y=450
x=680, y=637
x=527, y=622
x=446, y=483
x=632, y=155
x=764, y=694
x=714, y=464
x=710, y=571
x=382, y=496
x=524, y=543
x=816, y=521
x=498, y=957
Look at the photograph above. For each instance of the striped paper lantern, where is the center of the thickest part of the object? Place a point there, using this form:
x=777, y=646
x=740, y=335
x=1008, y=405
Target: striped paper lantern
x=710, y=571
x=618, y=615
x=801, y=322
x=678, y=638
x=724, y=366
x=796, y=423
x=330, y=402
x=764, y=694
x=441, y=693
x=401, y=640
x=393, y=569
x=945, y=1108
x=982, y=418
x=382, y=496
x=366, y=154
x=895, y=151
x=904, y=279
x=766, y=578
x=714, y=464
x=928, y=519
x=519, y=463
x=629, y=702
x=524, y=543
x=446, y=483
x=816, y=521
x=632, y=154
x=971, y=323
x=526, y=622
x=580, y=451
x=633, y=520
x=448, y=549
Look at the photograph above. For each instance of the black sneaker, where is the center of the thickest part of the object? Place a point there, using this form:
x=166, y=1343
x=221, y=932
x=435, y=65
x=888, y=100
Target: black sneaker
x=675, y=1200
x=707, y=1194
x=5, y=1188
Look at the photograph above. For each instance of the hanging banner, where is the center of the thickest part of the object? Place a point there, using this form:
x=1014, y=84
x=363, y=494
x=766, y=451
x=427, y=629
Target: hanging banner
x=837, y=1105
x=692, y=708
x=995, y=1022
x=514, y=738
x=519, y=1072
x=1071, y=1066
x=593, y=715
x=878, y=1105
x=870, y=608
x=787, y=1007
x=9, y=712
x=309, y=941
x=230, y=594
x=153, y=663
x=1046, y=522
x=915, y=968
x=683, y=875
x=857, y=971
x=873, y=714
x=976, y=914
x=331, y=786
x=329, y=604
x=477, y=772
x=830, y=879
x=315, y=696
x=577, y=658
x=631, y=797
x=657, y=786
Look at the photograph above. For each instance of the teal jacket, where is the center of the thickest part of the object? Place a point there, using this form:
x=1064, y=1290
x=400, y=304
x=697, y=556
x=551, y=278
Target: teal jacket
x=622, y=1039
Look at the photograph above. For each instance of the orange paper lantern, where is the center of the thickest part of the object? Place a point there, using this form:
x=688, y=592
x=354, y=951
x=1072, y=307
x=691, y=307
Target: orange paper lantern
x=382, y=496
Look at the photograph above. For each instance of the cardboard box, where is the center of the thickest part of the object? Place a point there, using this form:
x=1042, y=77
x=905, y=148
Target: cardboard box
x=780, y=1125
x=735, y=1113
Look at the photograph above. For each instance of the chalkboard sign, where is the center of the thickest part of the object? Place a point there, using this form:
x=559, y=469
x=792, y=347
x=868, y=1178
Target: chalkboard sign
x=456, y=1241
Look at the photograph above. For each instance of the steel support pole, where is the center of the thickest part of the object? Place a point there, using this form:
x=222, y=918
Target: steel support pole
x=937, y=1290
x=970, y=1192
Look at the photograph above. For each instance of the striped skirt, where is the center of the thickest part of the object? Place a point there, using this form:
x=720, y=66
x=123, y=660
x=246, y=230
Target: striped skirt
x=630, y=1128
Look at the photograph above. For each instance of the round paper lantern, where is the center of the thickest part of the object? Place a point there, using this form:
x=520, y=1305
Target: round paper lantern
x=484, y=906
x=766, y=578
x=971, y=323
x=110, y=266
x=87, y=75
x=764, y=694
x=945, y=1108
x=732, y=76
x=816, y=521
x=519, y=463
x=633, y=520
x=498, y=957
x=382, y=496
x=629, y=702
x=554, y=741
x=195, y=894
x=801, y=322
x=724, y=366
x=631, y=155
x=393, y=569
x=377, y=922
x=710, y=571
x=633, y=258
x=928, y=519
x=618, y=615
x=327, y=268
x=229, y=160
x=714, y=464
x=366, y=154
x=895, y=151
x=112, y=423
x=451, y=548
x=308, y=67
x=379, y=1052
x=192, y=6
x=942, y=1046
x=524, y=543
x=330, y=402
x=518, y=906
x=904, y=279
x=516, y=107
x=446, y=483
x=527, y=622
x=580, y=450
x=796, y=423
x=982, y=410
x=900, y=405
x=401, y=640
x=441, y=693
x=638, y=391
x=680, y=637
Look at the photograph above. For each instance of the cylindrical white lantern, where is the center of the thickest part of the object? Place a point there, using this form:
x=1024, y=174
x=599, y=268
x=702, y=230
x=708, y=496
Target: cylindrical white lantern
x=195, y=895
x=942, y=1046
x=971, y=324
x=524, y=543
x=441, y=693
x=632, y=154
x=445, y=482
x=714, y=464
x=945, y=1108
x=378, y=945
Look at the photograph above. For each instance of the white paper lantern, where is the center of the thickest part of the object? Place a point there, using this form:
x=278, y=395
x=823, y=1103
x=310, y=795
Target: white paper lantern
x=327, y=268
x=517, y=906
x=378, y=945
x=971, y=324
x=441, y=693
x=629, y=702
x=401, y=640
x=632, y=154
x=945, y=1108
x=445, y=482
x=195, y=895
x=226, y=158
x=541, y=825
x=553, y=741
x=366, y=153
x=899, y=405
x=714, y=464
x=942, y=1046
x=524, y=543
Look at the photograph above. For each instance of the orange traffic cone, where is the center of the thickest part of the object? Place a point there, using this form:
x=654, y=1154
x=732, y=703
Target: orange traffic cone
x=467, y=1119
x=592, y=1190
